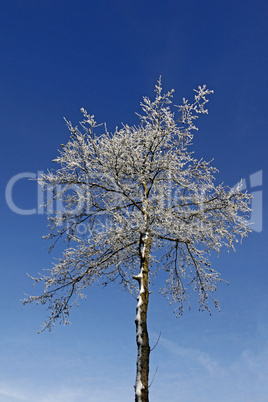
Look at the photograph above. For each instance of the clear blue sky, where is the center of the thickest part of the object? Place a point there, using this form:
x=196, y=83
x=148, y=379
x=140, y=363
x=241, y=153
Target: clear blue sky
x=60, y=55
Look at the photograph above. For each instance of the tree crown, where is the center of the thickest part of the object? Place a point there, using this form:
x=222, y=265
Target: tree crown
x=139, y=180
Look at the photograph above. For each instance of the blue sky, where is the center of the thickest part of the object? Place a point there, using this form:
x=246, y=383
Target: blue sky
x=59, y=56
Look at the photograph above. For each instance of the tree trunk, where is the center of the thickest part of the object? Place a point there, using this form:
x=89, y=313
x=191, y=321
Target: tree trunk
x=142, y=338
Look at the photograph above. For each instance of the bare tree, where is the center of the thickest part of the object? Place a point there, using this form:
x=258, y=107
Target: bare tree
x=148, y=204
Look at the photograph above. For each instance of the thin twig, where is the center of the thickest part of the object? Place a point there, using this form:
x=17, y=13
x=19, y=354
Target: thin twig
x=153, y=377
x=156, y=342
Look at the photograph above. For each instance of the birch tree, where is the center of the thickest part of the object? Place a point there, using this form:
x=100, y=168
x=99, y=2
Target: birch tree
x=148, y=205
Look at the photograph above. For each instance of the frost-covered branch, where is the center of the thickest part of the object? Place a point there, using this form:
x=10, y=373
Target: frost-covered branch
x=135, y=181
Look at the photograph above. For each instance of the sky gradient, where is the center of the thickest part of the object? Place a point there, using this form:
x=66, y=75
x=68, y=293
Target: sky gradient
x=59, y=56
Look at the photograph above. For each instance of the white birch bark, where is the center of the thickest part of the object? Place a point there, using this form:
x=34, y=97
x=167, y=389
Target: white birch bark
x=142, y=338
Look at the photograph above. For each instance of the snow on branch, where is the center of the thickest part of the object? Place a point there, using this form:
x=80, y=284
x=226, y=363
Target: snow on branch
x=111, y=189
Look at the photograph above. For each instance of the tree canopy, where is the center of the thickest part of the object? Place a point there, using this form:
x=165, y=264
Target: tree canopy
x=139, y=181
